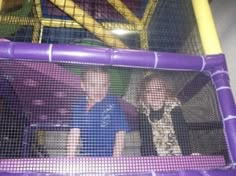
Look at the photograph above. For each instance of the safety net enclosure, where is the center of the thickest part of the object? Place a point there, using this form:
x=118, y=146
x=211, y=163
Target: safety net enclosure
x=104, y=90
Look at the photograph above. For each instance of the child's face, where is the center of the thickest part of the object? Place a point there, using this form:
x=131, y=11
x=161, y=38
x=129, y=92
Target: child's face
x=155, y=94
x=95, y=84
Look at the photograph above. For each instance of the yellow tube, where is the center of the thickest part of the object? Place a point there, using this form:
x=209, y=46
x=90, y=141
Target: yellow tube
x=17, y=20
x=87, y=21
x=36, y=32
x=124, y=11
x=206, y=27
x=38, y=8
x=37, y=27
x=51, y=22
x=144, y=40
x=149, y=10
x=1, y=4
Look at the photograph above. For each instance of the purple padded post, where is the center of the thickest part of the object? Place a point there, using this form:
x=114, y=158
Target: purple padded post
x=226, y=102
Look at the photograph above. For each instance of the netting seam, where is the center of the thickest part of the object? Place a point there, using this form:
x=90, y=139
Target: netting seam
x=203, y=63
x=50, y=52
x=204, y=173
x=153, y=173
x=222, y=88
x=156, y=59
x=229, y=117
x=219, y=72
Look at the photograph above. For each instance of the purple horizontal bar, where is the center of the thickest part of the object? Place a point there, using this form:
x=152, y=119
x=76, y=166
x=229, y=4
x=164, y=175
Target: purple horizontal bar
x=111, y=165
x=221, y=172
x=133, y=58
x=105, y=56
x=82, y=54
x=24, y=51
x=213, y=172
x=180, y=62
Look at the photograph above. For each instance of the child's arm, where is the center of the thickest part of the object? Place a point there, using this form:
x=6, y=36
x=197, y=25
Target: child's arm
x=73, y=141
x=119, y=143
x=146, y=136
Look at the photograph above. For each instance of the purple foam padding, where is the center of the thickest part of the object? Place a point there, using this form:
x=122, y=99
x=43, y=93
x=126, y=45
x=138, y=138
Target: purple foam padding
x=98, y=55
x=81, y=54
x=111, y=165
x=10, y=49
x=227, y=107
x=213, y=172
x=221, y=172
x=171, y=61
x=5, y=49
x=231, y=135
x=227, y=102
x=156, y=60
x=132, y=58
x=214, y=62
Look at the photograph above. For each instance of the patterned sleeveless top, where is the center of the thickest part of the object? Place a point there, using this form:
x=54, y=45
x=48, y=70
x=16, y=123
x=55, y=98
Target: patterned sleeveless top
x=164, y=137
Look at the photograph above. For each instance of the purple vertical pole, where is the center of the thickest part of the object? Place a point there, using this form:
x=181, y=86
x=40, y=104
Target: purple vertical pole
x=227, y=107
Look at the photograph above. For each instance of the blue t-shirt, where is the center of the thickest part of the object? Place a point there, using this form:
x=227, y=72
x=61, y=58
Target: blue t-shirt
x=99, y=125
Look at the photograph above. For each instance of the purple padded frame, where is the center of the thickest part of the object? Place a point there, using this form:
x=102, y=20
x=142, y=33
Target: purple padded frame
x=214, y=65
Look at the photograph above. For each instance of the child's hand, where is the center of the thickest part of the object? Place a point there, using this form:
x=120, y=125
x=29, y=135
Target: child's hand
x=119, y=144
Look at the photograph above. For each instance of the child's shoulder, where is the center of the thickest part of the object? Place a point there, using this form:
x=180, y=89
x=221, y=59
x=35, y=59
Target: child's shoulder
x=79, y=101
x=173, y=102
x=111, y=99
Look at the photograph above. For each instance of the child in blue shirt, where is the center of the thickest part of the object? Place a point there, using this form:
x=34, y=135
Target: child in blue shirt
x=99, y=125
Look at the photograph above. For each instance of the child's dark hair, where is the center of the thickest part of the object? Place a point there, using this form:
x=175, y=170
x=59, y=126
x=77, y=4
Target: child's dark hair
x=147, y=79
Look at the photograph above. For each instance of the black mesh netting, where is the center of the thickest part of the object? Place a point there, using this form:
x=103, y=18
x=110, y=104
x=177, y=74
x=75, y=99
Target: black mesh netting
x=55, y=110
x=132, y=112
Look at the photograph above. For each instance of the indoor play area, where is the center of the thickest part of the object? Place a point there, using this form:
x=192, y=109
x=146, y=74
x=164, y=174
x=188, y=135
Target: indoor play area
x=114, y=88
